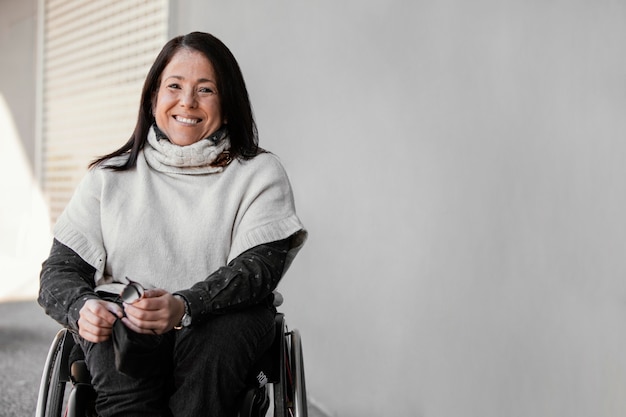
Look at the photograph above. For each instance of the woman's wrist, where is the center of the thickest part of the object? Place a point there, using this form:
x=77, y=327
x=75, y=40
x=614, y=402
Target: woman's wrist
x=184, y=318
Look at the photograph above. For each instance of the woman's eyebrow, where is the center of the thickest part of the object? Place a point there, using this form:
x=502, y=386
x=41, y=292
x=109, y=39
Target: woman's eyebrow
x=200, y=80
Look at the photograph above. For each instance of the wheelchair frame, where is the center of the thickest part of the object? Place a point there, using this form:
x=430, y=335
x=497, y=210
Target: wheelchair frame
x=282, y=374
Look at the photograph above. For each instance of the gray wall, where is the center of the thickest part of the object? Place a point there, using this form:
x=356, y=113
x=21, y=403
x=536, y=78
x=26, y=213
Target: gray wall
x=460, y=168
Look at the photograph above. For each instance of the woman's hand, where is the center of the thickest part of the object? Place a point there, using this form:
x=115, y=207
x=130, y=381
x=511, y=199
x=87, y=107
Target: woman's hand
x=95, y=323
x=157, y=312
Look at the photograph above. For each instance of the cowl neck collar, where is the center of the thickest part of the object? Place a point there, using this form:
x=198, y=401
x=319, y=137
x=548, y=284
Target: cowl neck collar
x=207, y=156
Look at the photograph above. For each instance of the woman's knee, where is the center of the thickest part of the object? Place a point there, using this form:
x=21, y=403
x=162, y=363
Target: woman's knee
x=212, y=361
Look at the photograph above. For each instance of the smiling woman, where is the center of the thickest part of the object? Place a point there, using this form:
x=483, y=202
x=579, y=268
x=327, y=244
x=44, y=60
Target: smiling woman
x=207, y=234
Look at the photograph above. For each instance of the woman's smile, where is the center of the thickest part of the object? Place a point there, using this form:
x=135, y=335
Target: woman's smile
x=187, y=120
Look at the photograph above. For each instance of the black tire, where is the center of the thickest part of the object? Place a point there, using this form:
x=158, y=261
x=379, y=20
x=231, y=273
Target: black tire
x=56, y=391
x=52, y=387
x=300, y=405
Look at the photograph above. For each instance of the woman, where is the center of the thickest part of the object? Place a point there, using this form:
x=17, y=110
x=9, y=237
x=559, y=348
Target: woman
x=194, y=211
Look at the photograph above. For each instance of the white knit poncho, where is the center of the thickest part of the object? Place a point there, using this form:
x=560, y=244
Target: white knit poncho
x=174, y=219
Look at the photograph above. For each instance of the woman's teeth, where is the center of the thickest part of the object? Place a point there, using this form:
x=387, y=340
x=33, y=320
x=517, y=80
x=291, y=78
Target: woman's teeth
x=186, y=120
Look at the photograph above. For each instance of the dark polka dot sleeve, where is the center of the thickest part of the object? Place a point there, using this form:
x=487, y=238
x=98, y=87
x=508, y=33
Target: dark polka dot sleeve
x=65, y=283
x=247, y=280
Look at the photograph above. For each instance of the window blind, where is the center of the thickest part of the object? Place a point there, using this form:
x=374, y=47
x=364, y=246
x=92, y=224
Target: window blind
x=96, y=55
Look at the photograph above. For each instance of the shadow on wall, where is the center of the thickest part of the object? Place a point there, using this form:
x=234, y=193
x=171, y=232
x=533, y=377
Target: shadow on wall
x=24, y=228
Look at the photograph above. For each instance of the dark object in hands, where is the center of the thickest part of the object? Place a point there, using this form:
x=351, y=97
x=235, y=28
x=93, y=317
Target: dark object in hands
x=136, y=355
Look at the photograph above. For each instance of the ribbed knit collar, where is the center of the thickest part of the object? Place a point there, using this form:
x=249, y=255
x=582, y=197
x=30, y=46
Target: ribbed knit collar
x=209, y=155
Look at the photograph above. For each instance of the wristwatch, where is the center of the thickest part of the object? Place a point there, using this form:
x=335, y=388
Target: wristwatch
x=186, y=320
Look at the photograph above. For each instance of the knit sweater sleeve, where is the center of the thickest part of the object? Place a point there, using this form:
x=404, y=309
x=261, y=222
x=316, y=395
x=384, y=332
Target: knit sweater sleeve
x=66, y=283
x=247, y=280
x=266, y=212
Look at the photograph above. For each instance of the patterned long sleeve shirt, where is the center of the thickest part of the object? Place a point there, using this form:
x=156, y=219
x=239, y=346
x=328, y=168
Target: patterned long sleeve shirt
x=67, y=282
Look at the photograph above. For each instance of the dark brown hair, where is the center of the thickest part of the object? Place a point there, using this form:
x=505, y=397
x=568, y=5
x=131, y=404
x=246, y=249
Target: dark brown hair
x=234, y=99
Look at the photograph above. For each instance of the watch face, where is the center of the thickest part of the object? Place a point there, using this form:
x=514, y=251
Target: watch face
x=186, y=321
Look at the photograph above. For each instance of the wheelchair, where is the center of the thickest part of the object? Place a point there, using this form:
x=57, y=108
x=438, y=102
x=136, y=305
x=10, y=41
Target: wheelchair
x=276, y=387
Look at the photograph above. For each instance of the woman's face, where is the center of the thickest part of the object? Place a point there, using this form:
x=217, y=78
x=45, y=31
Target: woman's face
x=187, y=107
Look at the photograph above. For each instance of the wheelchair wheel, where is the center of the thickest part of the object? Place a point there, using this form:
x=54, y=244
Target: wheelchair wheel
x=290, y=393
x=55, y=376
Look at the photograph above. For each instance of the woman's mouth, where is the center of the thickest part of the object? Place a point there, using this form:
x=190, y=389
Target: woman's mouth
x=186, y=120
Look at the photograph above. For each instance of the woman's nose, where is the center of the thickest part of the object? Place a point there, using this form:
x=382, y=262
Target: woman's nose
x=188, y=99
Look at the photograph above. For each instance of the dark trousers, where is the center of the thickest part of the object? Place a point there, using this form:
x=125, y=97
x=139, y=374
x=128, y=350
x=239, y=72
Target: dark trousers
x=207, y=370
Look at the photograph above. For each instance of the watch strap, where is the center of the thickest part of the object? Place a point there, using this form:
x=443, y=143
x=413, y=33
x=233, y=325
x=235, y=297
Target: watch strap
x=185, y=321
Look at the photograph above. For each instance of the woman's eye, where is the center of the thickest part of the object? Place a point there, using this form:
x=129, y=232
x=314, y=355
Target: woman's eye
x=173, y=85
x=206, y=90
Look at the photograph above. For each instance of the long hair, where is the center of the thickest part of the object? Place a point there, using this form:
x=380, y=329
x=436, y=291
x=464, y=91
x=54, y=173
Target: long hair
x=234, y=100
